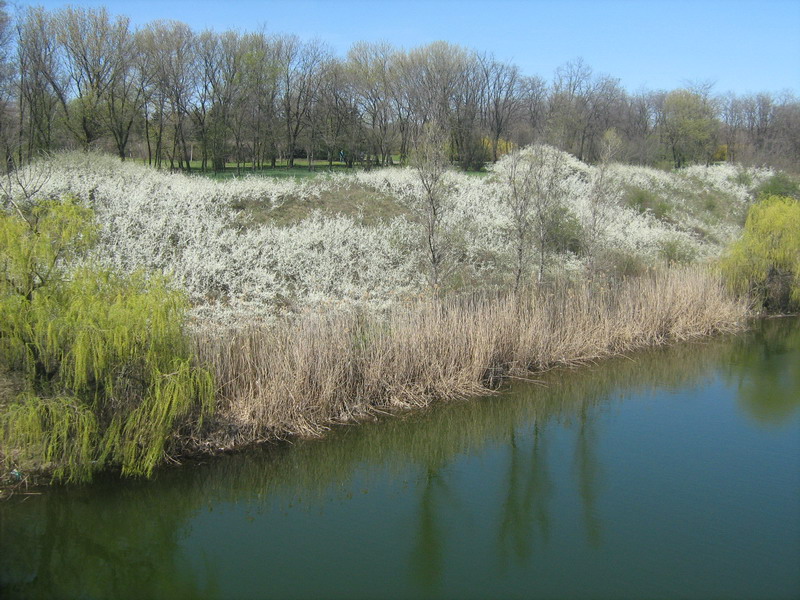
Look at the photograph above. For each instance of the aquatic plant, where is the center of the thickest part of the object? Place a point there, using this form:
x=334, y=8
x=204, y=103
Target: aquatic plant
x=295, y=376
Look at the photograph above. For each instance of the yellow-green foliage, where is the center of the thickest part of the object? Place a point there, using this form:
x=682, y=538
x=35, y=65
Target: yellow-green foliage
x=109, y=372
x=33, y=243
x=766, y=260
x=57, y=431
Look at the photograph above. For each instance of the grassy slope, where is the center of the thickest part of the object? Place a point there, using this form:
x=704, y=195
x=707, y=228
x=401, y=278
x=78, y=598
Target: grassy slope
x=365, y=205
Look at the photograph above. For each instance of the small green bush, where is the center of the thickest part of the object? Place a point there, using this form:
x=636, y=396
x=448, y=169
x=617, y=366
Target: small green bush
x=109, y=376
x=645, y=200
x=566, y=233
x=675, y=251
x=620, y=264
x=743, y=178
x=765, y=261
x=779, y=184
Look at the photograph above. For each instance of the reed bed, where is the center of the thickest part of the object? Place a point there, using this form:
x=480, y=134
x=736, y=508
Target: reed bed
x=298, y=376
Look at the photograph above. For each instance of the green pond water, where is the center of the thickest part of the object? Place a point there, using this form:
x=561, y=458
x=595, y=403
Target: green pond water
x=673, y=473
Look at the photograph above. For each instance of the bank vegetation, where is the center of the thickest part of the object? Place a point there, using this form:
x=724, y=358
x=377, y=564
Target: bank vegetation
x=147, y=316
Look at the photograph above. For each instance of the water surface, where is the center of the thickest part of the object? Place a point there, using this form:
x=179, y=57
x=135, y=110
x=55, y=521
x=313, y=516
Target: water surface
x=671, y=473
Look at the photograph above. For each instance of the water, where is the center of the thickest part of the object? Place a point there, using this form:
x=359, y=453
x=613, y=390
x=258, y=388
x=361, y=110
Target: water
x=673, y=473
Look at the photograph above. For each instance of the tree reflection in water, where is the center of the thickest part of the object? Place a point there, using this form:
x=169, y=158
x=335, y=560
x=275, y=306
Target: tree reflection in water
x=427, y=558
x=125, y=538
x=524, y=515
x=768, y=387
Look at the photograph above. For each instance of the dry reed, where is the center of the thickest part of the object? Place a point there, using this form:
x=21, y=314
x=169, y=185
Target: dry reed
x=296, y=377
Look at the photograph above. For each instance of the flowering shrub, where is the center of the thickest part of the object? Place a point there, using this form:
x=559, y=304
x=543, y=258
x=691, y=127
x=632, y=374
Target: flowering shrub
x=191, y=228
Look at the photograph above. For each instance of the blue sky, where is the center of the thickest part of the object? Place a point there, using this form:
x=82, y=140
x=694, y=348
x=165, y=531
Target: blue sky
x=741, y=45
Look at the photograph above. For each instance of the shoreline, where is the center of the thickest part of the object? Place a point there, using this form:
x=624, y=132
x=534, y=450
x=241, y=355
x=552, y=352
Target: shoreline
x=298, y=378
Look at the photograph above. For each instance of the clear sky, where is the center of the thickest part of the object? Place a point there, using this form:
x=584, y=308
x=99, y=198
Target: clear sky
x=740, y=45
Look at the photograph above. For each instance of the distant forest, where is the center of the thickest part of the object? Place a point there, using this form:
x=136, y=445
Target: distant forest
x=184, y=99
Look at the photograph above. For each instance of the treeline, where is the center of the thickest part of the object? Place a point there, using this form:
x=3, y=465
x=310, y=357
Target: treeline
x=80, y=78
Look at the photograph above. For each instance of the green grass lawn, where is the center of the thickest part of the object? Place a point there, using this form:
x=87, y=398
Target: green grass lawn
x=366, y=206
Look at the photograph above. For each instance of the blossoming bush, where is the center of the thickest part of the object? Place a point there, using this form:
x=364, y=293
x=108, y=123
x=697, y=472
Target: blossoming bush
x=193, y=228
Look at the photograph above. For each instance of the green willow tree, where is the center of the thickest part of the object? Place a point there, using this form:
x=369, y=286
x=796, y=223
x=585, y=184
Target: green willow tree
x=765, y=262
x=108, y=374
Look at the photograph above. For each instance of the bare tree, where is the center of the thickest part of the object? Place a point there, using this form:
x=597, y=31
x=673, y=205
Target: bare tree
x=206, y=56
x=731, y=114
x=172, y=51
x=7, y=73
x=300, y=76
x=230, y=99
x=786, y=153
x=602, y=198
x=370, y=67
x=638, y=128
x=39, y=71
x=503, y=99
x=582, y=106
x=430, y=162
x=531, y=123
x=154, y=96
x=568, y=97
x=535, y=177
x=260, y=92
x=518, y=175
x=338, y=114
x=402, y=116
x=93, y=50
x=444, y=86
x=468, y=115
x=125, y=95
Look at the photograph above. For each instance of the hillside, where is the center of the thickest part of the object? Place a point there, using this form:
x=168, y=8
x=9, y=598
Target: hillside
x=256, y=245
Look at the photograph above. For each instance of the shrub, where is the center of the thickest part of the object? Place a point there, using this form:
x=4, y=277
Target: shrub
x=779, y=184
x=645, y=200
x=619, y=264
x=743, y=178
x=674, y=250
x=566, y=233
x=765, y=261
x=107, y=369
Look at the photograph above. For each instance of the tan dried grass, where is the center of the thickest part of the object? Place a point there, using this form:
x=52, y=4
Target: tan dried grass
x=298, y=376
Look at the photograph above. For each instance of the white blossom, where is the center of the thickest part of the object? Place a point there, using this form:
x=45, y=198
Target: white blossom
x=191, y=227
